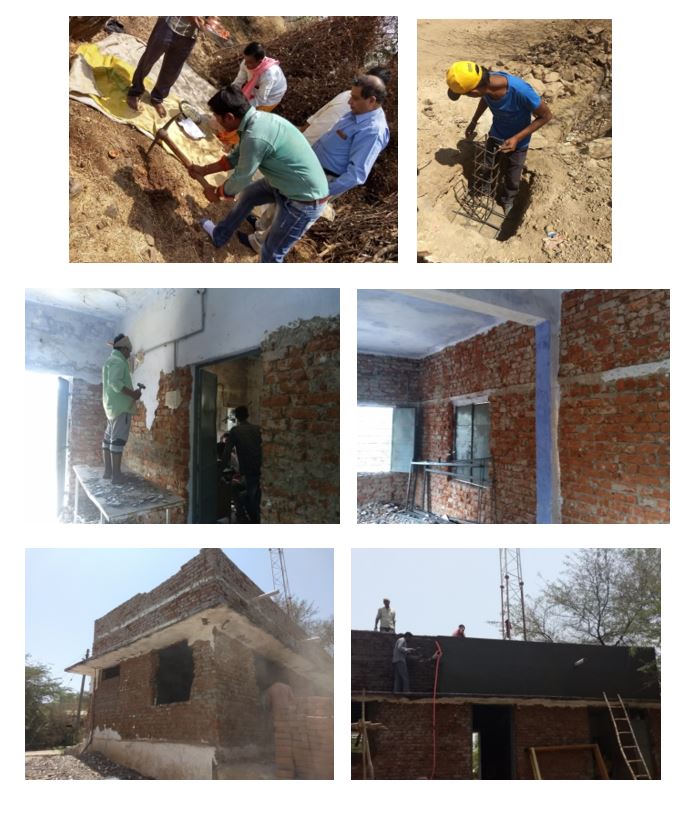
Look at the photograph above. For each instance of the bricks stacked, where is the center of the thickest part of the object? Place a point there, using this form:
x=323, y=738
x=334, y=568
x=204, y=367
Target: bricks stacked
x=614, y=434
x=300, y=422
x=313, y=738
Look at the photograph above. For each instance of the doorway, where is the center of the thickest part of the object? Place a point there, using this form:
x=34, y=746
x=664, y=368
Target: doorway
x=220, y=387
x=492, y=741
x=46, y=416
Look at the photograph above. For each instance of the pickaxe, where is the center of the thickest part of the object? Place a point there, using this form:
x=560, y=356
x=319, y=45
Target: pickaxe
x=162, y=135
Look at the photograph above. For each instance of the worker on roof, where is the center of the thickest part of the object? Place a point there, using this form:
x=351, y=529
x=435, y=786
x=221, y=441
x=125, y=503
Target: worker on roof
x=459, y=633
x=517, y=112
x=119, y=399
x=401, y=682
x=386, y=618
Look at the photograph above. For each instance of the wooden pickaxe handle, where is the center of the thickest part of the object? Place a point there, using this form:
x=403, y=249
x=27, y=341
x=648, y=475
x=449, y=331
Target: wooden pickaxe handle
x=163, y=136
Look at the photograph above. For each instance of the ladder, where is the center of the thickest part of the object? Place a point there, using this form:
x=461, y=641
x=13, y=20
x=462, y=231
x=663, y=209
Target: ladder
x=630, y=750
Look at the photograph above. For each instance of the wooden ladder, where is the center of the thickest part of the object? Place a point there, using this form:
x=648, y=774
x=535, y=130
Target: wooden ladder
x=630, y=750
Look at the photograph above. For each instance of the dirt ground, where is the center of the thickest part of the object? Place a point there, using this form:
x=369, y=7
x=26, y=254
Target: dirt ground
x=135, y=207
x=129, y=205
x=566, y=185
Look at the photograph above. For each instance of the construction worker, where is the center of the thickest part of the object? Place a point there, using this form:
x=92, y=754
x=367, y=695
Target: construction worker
x=119, y=404
x=293, y=178
x=246, y=440
x=386, y=618
x=513, y=103
x=401, y=682
x=459, y=633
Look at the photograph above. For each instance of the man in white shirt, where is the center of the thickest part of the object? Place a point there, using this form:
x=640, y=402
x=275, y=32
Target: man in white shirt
x=386, y=618
x=260, y=78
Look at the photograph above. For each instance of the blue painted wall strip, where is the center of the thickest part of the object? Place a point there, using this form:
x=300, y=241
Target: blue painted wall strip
x=543, y=421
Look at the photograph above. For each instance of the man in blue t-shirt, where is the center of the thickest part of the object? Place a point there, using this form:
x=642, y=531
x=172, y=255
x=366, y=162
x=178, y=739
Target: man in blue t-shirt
x=517, y=112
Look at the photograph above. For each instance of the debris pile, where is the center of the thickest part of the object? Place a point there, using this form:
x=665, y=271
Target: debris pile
x=555, y=66
x=378, y=512
x=90, y=766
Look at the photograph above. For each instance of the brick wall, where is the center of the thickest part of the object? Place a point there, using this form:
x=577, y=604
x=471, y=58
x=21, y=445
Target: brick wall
x=388, y=380
x=85, y=429
x=403, y=750
x=501, y=361
x=614, y=431
x=162, y=454
x=387, y=487
x=552, y=726
x=207, y=580
x=300, y=408
x=126, y=704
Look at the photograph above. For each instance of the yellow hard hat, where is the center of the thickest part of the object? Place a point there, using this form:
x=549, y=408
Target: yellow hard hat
x=463, y=76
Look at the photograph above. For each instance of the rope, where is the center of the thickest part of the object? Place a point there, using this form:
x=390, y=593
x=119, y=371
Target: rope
x=437, y=655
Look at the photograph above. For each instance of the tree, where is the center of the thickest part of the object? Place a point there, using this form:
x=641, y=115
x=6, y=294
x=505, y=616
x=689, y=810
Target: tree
x=305, y=615
x=608, y=596
x=49, y=707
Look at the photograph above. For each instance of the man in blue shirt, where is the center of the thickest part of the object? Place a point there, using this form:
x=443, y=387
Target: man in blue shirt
x=513, y=103
x=348, y=151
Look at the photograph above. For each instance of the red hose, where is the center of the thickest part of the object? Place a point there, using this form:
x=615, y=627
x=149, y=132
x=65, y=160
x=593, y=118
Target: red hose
x=438, y=654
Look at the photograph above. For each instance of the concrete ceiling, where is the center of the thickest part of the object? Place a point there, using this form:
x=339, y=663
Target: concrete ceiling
x=414, y=323
x=104, y=303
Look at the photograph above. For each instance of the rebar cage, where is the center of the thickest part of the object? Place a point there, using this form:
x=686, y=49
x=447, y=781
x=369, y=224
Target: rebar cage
x=478, y=200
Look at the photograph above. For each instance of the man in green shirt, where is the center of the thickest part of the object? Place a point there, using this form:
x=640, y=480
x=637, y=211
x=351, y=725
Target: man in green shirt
x=293, y=177
x=118, y=402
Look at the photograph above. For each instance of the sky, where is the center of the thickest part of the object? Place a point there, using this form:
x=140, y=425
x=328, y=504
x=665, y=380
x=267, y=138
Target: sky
x=435, y=590
x=67, y=589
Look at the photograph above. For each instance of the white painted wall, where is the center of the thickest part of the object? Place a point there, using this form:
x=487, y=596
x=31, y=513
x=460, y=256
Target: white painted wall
x=66, y=343
x=236, y=320
x=158, y=759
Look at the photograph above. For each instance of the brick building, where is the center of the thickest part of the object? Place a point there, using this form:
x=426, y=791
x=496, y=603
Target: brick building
x=552, y=405
x=495, y=701
x=199, y=353
x=205, y=677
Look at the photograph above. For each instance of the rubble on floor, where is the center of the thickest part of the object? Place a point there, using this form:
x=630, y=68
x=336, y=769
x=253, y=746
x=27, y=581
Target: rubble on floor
x=379, y=512
x=90, y=766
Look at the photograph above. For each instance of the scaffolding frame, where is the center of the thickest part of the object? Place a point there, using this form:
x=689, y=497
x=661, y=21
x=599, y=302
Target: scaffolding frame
x=449, y=469
x=511, y=590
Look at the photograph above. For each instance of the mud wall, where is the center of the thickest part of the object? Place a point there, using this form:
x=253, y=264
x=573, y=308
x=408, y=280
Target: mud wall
x=614, y=424
x=300, y=408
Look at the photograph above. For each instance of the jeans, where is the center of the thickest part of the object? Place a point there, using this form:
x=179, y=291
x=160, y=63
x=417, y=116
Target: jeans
x=291, y=221
x=162, y=40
